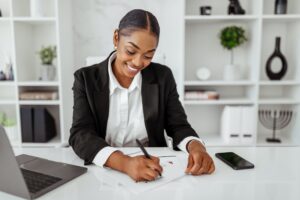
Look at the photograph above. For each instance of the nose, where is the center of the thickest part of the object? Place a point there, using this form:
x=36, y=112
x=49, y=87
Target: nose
x=137, y=62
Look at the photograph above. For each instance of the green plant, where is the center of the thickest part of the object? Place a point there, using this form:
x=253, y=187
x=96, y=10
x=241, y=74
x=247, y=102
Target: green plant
x=47, y=54
x=5, y=121
x=232, y=37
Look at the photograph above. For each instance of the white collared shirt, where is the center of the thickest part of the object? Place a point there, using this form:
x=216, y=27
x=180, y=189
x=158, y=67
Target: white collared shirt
x=125, y=121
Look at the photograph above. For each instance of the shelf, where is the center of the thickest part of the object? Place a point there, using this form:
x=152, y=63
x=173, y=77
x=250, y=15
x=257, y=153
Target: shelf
x=7, y=83
x=279, y=83
x=39, y=102
x=278, y=101
x=35, y=21
x=38, y=83
x=261, y=141
x=23, y=34
x=219, y=102
x=219, y=83
x=8, y=102
x=216, y=140
x=5, y=19
x=219, y=18
x=281, y=18
x=55, y=142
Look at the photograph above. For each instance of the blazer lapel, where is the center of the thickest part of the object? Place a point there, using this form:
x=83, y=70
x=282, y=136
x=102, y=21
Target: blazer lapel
x=150, y=99
x=101, y=96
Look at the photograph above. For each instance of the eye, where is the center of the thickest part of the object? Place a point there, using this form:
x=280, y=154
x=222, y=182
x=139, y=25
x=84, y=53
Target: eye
x=129, y=52
x=148, y=57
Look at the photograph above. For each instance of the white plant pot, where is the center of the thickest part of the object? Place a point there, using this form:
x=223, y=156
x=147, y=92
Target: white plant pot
x=36, y=8
x=48, y=72
x=231, y=72
x=11, y=132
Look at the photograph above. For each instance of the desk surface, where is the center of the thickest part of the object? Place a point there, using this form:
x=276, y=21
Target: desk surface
x=276, y=176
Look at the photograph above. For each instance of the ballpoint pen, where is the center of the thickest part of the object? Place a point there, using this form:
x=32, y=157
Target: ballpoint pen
x=145, y=152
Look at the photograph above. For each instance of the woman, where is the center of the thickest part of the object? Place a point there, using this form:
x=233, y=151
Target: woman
x=127, y=97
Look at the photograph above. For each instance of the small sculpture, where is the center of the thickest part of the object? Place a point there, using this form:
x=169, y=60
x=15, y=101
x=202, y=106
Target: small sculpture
x=275, y=120
x=234, y=8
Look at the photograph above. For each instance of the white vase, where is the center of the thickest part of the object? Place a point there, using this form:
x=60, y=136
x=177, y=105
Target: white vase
x=231, y=72
x=48, y=73
x=36, y=8
x=11, y=132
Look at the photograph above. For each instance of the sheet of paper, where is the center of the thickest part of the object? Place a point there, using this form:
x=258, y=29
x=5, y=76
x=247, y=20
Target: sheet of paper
x=172, y=169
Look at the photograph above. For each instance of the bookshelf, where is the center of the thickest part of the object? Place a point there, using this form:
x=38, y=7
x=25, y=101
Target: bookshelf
x=22, y=36
x=202, y=49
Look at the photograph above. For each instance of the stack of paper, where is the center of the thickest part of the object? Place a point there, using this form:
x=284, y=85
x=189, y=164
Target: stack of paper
x=172, y=169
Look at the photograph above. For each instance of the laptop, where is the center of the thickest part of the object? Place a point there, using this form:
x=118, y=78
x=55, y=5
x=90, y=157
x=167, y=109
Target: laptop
x=29, y=176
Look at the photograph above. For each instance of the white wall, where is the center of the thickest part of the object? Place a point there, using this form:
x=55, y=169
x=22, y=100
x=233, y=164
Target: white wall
x=94, y=22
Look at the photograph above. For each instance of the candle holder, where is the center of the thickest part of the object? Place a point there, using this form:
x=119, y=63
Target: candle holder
x=275, y=120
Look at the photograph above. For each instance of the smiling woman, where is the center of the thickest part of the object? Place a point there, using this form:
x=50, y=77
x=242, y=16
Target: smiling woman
x=128, y=97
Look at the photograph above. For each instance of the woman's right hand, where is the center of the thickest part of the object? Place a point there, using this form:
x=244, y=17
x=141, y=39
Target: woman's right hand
x=139, y=168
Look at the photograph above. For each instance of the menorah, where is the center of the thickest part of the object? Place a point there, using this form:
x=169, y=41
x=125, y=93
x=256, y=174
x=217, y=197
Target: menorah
x=275, y=120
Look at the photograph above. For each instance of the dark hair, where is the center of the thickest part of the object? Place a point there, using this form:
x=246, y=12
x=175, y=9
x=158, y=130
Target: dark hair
x=139, y=19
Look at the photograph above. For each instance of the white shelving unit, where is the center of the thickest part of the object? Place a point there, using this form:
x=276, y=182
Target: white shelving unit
x=21, y=38
x=202, y=48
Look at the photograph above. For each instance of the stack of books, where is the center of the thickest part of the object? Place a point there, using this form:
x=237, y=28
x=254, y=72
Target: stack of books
x=201, y=95
x=39, y=95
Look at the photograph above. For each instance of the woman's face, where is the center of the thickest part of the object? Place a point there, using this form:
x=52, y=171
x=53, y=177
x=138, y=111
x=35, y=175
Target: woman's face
x=134, y=52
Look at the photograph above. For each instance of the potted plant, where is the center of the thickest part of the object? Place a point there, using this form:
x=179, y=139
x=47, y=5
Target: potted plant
x=9, y=125
x=230, y=38
x=47, y=55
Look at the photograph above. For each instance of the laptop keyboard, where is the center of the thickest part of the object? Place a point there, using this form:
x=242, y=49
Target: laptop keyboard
x=36, y=181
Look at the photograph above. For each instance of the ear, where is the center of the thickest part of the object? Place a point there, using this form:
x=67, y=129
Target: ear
x=116, y=38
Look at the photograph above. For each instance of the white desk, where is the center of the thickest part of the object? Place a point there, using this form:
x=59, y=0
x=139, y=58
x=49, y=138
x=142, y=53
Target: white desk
x=276, y=176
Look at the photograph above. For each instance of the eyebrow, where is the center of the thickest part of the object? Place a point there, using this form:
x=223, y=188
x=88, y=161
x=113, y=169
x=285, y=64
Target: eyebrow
x=136, y=46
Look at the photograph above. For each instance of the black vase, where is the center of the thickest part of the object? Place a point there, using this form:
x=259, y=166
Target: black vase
x=276, y=54
x=235, y=8
x=280, y=6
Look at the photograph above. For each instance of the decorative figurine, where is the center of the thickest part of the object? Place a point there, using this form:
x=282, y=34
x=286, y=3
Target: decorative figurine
x=234, y=8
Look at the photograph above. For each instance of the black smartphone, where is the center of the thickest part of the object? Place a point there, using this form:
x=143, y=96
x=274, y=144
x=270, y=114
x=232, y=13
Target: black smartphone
x=235, y=161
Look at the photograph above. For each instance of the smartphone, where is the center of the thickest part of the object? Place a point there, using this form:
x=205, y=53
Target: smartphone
x=235, y=161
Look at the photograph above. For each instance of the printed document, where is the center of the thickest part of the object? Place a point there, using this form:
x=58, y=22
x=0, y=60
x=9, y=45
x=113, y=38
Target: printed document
x=172, y=169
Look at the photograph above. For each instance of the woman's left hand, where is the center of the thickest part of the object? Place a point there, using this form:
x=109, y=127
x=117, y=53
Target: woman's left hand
x=199, y=161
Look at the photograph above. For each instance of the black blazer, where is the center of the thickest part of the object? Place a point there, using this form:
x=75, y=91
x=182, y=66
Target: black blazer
x=161, y=106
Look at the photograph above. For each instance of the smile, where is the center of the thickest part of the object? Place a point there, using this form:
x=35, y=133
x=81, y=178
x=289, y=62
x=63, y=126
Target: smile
x=132, y=69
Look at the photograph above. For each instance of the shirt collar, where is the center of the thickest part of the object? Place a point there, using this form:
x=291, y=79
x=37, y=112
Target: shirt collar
x=114, y=83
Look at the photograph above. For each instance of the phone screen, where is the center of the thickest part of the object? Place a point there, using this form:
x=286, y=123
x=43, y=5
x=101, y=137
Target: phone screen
x=235, y=161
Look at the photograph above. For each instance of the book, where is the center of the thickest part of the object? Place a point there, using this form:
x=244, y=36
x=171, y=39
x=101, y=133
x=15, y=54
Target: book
x=39, y=95
x=200, y=95
x=27, y=124
x=44, y=125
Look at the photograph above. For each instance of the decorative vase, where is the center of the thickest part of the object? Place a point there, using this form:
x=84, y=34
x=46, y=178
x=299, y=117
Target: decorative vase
x=231, y=72
x=48, y=72
x=276, y=54
x=280, y=7
x=36, y=8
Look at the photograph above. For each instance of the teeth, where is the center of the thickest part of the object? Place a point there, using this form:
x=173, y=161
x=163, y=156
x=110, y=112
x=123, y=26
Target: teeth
x=132, y=69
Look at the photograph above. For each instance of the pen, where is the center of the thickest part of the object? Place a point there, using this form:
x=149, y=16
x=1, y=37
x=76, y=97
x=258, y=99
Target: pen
x=145, y=152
